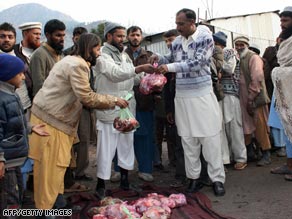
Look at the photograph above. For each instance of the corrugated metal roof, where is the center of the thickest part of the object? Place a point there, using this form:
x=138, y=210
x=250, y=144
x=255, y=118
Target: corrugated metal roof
x=244, y=15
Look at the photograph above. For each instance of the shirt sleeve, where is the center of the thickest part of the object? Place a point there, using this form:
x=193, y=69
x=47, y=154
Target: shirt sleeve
x=79, y=79
x=114, y=72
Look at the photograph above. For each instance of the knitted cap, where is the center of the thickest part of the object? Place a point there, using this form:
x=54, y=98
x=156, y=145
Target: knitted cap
x=10, y=66
x=287, y=12
x=220, y=38
x=243, y=39
x=108, y=26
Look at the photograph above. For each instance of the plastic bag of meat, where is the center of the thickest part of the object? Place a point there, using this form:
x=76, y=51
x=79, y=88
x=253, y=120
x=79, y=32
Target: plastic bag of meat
x=99, y=216
x=143, y=204
x=180, y=199
x=121, y=211
x=156, y=212
x=152, y=82
x=110, y=201
x=126, y=121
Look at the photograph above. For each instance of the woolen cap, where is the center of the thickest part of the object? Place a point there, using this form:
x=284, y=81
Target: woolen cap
x=30, y=25
x=220, y=38
x=287, y=12
x=10, y=66
x=108, y=26
x=243, y=39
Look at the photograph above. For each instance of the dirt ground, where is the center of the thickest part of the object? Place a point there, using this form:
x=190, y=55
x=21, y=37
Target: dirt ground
x=253, y=193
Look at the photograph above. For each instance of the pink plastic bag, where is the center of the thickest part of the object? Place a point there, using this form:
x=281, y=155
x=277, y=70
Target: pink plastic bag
x=152, y=83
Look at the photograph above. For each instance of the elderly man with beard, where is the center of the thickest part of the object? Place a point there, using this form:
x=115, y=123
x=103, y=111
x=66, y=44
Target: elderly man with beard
x=282, y=83
x=253, y=101
x=31, y=40
x=47, y=54
x=58, y=104
x=116, y=75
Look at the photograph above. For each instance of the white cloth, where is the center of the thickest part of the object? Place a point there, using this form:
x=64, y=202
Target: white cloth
x=224, y=142
x=210, y=150
x=198, y=116
x=233, y=127
x=282, y=81
x=109, y=141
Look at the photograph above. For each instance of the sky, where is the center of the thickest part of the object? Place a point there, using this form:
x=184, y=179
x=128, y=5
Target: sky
x=151, y=15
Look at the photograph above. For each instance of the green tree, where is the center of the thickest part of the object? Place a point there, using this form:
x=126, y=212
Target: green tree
x=99, y=31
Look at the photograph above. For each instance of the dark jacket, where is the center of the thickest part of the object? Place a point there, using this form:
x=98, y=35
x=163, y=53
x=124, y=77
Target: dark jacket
x=12, y=119
x=270, y=62
x=169, y=92
x=143, y=102
x=28, y=77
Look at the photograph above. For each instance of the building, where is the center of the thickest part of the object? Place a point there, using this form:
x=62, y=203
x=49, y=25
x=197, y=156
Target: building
x=262, y=29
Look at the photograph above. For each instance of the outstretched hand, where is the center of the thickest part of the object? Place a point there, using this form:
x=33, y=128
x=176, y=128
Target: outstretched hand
x=148, y=68
x=162, y=69
x=40, y=130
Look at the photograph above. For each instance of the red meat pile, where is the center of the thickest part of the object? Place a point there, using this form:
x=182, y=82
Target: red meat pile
x=154, y=206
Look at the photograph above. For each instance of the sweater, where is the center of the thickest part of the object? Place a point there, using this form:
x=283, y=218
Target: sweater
x=190, y=59
x=115, y=74
x=41, y=62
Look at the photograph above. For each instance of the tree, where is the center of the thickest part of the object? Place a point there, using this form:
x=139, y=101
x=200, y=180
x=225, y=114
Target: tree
x=99, y=31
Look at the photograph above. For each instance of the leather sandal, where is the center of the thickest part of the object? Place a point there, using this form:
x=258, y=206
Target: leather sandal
x=240, y=166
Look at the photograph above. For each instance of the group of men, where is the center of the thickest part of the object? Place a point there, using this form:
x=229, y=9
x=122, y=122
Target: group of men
x=200, y=119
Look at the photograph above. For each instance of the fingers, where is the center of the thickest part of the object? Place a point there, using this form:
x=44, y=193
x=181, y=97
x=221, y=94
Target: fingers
x=122, y=103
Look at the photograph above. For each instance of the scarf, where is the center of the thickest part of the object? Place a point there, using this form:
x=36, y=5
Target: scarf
x=282, y=79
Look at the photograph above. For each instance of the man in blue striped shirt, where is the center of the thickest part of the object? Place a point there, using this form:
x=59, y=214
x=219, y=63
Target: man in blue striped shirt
x=197, y=113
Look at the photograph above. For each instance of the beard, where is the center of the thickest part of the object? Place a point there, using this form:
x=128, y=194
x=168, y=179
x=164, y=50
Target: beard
x=286, y=33
x=242, y=52
x=7, y=48
x=57, y=47
x=34, y=45
x=92, y=59
x=120, y=47
x=134, y=44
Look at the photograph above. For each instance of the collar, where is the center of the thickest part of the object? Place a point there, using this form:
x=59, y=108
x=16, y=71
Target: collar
x=53, y=52
x=6, y=87
x=111, y=47
x=11, y=52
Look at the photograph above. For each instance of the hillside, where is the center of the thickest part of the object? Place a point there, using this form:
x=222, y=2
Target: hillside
x=21, y=13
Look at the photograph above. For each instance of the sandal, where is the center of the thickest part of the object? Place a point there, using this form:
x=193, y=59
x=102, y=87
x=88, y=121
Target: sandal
x=281, y=170
x=288, y=177
x=76, y=187
x=240, y=166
